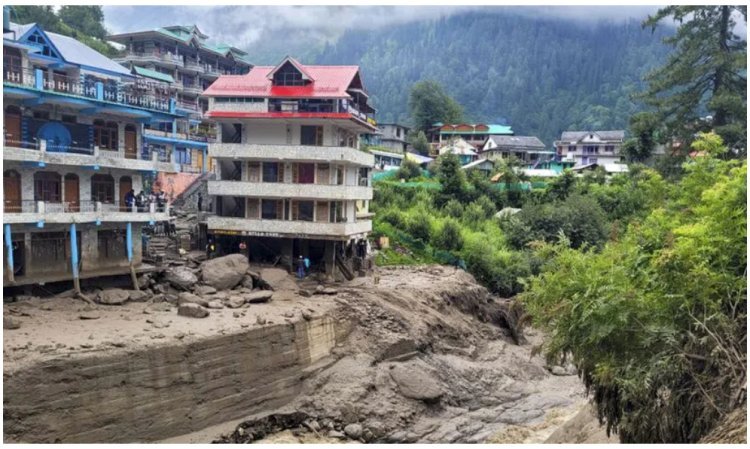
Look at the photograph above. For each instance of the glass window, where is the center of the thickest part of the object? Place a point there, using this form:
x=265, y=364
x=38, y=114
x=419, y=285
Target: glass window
x=47, y=187
x=271, y=210
x=312, y=135
x=304, y=210
x=103, y=188
x=270, y=172
x=105, y=135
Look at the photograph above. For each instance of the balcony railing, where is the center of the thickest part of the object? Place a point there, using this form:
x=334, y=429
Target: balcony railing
x=152, y=56
x=72, y=207
x=121, y=93
x=147, y=153
x=194, y=65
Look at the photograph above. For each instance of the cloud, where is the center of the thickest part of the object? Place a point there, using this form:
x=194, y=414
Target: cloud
x=242, y=26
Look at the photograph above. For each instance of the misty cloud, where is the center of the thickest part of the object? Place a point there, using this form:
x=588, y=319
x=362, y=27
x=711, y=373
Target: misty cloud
x=244, y=25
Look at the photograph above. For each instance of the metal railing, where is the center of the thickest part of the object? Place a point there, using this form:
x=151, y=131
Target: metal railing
x=162, y=154
x=145, y=154
x=123, y=93
x=67, y=207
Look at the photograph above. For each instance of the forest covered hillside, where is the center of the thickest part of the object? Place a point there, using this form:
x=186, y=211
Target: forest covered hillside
x=540, y=75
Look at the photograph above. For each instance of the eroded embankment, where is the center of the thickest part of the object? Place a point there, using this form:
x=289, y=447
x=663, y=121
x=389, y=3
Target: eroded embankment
x=163, y=391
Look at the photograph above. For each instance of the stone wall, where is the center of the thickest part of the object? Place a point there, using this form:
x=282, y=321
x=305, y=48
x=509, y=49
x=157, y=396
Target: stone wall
x=164, y=391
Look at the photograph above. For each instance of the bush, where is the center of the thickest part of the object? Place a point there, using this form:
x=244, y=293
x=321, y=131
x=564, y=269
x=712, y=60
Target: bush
x=487, y=205
x=580, y=219
x=453, y=209
x=449, y=236
x=474, y=214
x=409, y=169
x=393, y=217
x=419, y=227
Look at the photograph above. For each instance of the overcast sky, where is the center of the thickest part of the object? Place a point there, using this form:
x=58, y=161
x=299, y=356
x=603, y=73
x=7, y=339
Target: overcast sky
x=243, y=25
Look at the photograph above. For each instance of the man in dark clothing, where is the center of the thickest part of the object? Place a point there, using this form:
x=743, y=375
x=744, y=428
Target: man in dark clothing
x=130, y=199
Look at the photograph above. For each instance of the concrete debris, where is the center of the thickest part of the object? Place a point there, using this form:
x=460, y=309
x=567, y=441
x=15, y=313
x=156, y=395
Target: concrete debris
x=215, y=304
x=225, y=272
x=320, y=290
x=138, y=296
x=235, y=302
x=192, y=310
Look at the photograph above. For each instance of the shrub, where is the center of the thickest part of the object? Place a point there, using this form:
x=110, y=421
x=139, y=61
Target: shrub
x=419, y=227
x=449, y=236
x=453, y=209
x=487, y=205
x=393, y=217
x=409, y=169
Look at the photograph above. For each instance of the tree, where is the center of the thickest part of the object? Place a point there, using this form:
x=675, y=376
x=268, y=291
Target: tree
x=429, y=104
x=419, y=142
x=86, y=19
x=452, y=179
x=44, y=16
x=409, y=169
x=641, y=146
x=707, y=69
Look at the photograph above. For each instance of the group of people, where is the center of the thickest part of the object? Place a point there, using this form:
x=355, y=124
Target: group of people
x=143, y=201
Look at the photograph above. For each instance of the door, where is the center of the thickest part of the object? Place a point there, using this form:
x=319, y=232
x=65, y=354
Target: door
x=126, y=185
x=12, y=191
x=72, y=193
x=131, y=150
x=12, y=126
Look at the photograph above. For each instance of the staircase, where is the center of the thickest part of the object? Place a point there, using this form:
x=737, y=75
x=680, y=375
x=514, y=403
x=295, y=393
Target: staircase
x=198, y=183
x=157, y=248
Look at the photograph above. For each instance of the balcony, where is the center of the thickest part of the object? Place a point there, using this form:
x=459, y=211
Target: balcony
x=153, y=57
x=190, y=89
x=290, y=229
x=288, y=190
x=194, y=66
x=308, y=153
x=200, y=136
x=42, y=153
x=30, y=211
x=122, y=94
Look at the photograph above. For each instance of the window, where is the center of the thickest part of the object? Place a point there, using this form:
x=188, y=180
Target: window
x=609, y=148
x=288, y=75
x=272, y=209
x=303, y=173
x=592, y=160
x=105, y=135
x=111, y=244
x=572, y=149
x=239, y=100
x=273, y=172
x=337, y=212
x=103, y=189
x=312, y=135
x=47, y=187
x=182, y=156
x=69, y=118
x=304, y=210
x=41, y=115
x=48, y=248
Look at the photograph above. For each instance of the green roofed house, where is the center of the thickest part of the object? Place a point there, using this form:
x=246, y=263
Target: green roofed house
x=474, y=134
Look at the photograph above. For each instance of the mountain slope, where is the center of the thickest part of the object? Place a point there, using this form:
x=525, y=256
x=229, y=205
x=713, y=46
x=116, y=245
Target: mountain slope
x=540, y=75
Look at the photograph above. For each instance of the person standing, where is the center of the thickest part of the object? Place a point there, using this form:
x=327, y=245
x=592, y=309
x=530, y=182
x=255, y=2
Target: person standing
x=300, y=267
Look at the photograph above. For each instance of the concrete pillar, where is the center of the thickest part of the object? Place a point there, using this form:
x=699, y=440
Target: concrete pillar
x=89, y=249
x=287, y=251
x=329, y=256
x=74, y=257
x=9, y=251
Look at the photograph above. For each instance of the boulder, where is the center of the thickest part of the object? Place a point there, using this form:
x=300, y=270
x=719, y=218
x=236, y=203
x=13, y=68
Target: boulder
x=138, y=296
x=187, y=297
x=215, y=304
x=415, y=383
x=224, y=273
x=143, y=281
x=235, y=302
x=10, y=323
x=204, y=290
x=181, y=277
x=320, y=290
x=259, y=296
x=248, y=282
x=353, y=430
x=305, y=293
x=114, y=296
x=192, y=310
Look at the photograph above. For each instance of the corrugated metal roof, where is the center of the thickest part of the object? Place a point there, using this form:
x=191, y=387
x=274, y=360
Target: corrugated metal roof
x=575, y=136
x=75, y=52
x=154, y=74
x=329, y=82
x=527, y=142
x=491, y=129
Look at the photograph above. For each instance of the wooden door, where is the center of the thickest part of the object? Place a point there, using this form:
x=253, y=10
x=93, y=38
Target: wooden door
x=72, y=193
x=131, y=150
x=12, y=191
x=12, y=127
x=126, y=184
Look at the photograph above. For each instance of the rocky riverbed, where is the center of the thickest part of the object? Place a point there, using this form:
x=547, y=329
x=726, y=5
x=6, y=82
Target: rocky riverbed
x=422, y=354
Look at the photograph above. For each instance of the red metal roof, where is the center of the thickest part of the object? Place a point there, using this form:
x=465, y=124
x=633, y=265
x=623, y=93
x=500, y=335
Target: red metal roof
x=328, y=82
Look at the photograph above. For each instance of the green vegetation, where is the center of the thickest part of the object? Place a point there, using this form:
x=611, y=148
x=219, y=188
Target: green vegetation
x=429, y=104
x=541, y=75
x=707, y=71
x=84, y=23
x=639, y=280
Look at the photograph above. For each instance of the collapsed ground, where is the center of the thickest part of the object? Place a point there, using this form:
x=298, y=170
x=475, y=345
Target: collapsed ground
x=428, y=358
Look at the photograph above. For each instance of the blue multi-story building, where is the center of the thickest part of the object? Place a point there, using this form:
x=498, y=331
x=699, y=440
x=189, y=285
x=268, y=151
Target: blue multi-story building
x=74, y=146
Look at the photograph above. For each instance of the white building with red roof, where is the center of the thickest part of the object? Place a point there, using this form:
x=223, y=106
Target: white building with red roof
x=291, y=180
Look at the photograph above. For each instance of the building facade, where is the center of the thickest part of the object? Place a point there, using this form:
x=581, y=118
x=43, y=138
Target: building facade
x=73, y=149
x=527, y=149
x=393, y=136
x=291, y=179
x=590, y=147
x=474, y=134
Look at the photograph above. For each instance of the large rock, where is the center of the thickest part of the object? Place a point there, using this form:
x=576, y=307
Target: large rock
x=224, y=273
x=181, y=277
x=10, y=323
x=204, y=290
x=138, y=296
x=235, y=302
x=215, y=304
x=114, y=296
x=415, y=383
x=259, y=296
x=192, y=310
x=353, y=430
x=187, y=297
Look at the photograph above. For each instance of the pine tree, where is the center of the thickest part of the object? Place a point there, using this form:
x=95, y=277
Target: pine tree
x=428, y=104
x=707, y=69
